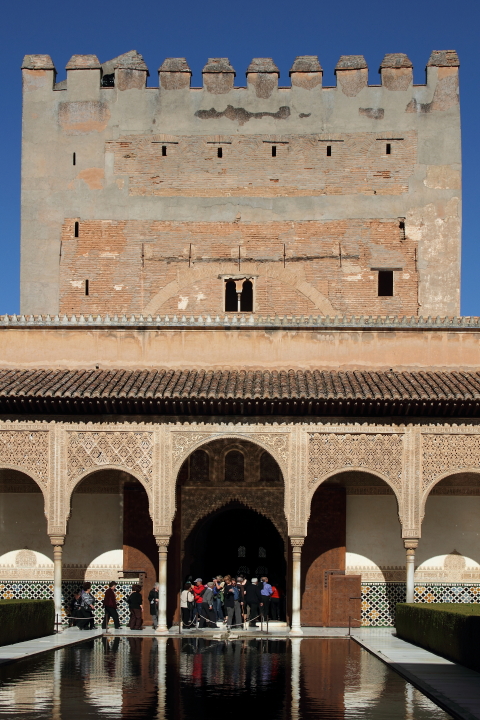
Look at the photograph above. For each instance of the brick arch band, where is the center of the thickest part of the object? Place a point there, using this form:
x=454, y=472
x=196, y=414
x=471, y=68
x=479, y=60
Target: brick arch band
x=284, y=275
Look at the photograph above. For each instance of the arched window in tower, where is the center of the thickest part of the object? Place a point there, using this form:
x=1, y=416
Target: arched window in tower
x=199, y=466
x=234, y=467
x=262, y=553
x=269, y=470
x=246, y=301
x=231, y=300
x=241, y=551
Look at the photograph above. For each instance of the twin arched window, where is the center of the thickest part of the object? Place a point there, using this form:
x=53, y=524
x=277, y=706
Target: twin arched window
x=238, y=296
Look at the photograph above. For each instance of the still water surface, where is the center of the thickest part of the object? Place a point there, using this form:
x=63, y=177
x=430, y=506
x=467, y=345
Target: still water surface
x=194, y=678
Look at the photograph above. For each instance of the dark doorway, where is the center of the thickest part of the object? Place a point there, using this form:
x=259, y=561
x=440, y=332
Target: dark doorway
x=235, y=540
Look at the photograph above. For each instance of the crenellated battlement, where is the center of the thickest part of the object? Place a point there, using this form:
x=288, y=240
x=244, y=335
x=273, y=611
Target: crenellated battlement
x=301, y=199
x=129, y=71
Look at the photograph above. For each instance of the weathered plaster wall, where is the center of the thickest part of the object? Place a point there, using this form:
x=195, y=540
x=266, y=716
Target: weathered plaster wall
x=374, y=538
x=316, y=348
x=95, y=527
x=121, y=175
x=450, y=525
x=23, y=523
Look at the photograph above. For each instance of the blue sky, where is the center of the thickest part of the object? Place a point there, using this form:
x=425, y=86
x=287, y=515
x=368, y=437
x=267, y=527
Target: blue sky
x=198, y=30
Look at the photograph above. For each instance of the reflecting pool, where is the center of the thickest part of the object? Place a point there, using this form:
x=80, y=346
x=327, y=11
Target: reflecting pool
x=199, y=678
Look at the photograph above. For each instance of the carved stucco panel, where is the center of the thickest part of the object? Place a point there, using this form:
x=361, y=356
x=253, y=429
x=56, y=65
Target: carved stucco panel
x=444, y=454
x=92, y=450
x=380, y=453
x=28, y=451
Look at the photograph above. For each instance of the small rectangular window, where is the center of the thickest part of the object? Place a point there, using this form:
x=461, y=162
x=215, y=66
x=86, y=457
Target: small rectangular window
x=329, y=150
x=164, y=150
x=388, y=149
x=87, y=289
x=74, y=158
x=274, y=151
x=76, y=229
x=385, y=283
x=219, y=152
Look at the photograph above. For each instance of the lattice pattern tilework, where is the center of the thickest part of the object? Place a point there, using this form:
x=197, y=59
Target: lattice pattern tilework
x=379, y=598
x=43, y=590
x=448, y=593
x=378, y=603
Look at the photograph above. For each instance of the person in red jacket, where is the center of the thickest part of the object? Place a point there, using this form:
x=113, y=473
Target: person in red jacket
x=275, y=603
x=110, y=606
x=198, y=590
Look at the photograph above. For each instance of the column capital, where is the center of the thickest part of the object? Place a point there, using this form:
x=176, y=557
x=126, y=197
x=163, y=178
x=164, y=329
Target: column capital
x=410, y=543
x=297, y=542
x=162, y=540
x=57, y=539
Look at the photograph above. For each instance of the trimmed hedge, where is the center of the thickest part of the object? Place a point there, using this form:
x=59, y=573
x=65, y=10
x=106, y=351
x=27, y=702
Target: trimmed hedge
x=25, y=620
x=448, y=629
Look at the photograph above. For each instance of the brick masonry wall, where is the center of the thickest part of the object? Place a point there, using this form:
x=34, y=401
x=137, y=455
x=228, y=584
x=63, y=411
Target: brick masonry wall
x=179, y=267
x=358, y=163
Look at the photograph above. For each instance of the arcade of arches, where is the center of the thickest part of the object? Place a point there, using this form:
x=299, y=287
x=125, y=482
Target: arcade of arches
x=328, y=516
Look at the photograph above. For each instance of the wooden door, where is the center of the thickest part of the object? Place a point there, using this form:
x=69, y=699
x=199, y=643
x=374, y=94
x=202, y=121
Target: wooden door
x=344, y=600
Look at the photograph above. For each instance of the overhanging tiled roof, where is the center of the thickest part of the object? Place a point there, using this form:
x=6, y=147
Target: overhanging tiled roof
x=240, y=392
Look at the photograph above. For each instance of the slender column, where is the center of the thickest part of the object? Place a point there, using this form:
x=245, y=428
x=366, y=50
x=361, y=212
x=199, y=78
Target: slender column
x=297, y=544
x=162, y=543
x=57, y=542
x=410, y=547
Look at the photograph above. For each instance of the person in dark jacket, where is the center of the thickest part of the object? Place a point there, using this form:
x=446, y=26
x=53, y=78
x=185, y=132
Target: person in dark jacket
x=134, y=601
x=207, y=613
x=75, y=608
x=86, y=611
x=110, y=606
x=253, y=599
x=232, y=604
x=153, y=600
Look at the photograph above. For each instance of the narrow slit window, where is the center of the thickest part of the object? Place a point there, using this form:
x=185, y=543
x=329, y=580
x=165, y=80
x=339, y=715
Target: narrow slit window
x=74, y=158
x=388, y=149
x=87, y=288
x=219, y=152
x=274, y=151
x=76, y=228
x=329, y=151
x=164, y=150
x=385, y=283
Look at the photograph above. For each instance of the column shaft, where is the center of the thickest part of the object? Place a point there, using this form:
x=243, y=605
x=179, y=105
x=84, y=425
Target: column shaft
x=296, y=585
x=410, y=546
x=162, y=580
x=57, y=543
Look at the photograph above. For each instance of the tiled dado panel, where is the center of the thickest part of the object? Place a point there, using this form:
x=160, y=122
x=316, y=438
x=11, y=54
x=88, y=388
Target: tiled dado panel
x=43, y=590
x=246, y=166
x=379, y=599
x=176, y=268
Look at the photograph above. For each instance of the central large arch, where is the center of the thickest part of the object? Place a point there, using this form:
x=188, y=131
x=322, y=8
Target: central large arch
x=230, y=515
